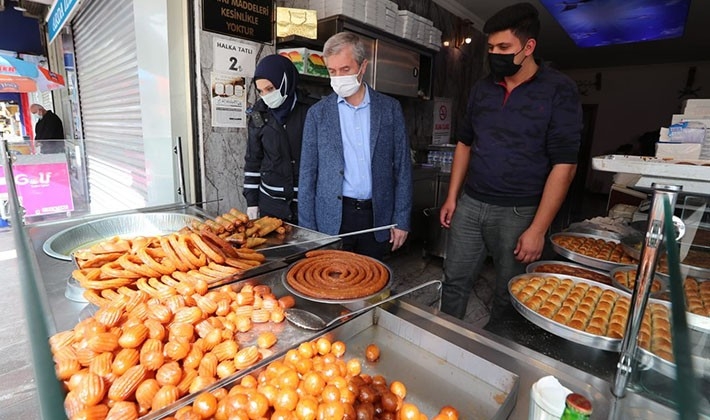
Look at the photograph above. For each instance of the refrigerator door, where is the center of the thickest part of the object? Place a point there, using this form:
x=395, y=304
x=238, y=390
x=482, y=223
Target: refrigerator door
x=396, y=70
x=369, y=44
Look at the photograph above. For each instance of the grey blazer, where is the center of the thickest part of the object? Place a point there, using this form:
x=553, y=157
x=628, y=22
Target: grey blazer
x=320, y=204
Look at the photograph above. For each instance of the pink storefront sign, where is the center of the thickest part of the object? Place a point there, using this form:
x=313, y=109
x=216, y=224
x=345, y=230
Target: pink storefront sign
x=42, y=187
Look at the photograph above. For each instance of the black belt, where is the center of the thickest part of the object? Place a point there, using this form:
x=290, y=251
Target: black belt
x=358, y=204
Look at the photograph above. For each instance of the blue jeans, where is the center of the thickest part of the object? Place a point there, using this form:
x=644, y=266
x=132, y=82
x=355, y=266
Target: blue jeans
x=478, y=229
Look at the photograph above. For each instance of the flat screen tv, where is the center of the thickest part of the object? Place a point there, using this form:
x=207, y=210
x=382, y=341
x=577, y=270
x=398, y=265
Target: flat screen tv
x=595, y=23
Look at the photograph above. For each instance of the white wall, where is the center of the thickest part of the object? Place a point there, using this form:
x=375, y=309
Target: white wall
x=634, y=100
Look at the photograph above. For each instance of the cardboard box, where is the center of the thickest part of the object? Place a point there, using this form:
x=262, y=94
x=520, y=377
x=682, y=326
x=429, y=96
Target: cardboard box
x=297, y=56
x=307, y=61
x=690, y=151
x=315, y=65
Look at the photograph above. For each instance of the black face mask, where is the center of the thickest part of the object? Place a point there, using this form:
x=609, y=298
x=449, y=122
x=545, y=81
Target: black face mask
x=502, y=65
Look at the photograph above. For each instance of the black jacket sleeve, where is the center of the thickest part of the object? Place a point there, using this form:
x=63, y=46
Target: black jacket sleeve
x=252, y=164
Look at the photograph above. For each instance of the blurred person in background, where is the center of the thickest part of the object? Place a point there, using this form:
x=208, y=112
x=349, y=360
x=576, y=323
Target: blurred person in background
x=49, y=130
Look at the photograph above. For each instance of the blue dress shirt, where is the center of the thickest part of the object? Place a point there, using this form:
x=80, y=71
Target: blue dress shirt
x=355, y=130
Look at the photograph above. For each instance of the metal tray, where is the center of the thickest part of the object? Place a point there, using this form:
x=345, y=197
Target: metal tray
x=289, y=336
x=698, y=322
x=435, y=371
x=701, y=365
x=569, y=333
x=531, y=268
x=583, y=259
x=337, y=301
x=63, y=243
x=695, y=321
x=632, y=246
x=662, y=280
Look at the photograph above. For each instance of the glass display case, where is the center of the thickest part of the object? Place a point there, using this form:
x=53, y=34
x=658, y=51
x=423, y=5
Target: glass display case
x=667, y=354
x=449, y=353
x=672, y=354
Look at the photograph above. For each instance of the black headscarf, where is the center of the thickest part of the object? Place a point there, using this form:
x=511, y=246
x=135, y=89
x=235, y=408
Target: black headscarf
x=281, y=72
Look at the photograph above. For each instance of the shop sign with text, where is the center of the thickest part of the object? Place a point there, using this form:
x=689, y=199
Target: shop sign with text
x=43, y=188
x=247, y=19
x=59, y=15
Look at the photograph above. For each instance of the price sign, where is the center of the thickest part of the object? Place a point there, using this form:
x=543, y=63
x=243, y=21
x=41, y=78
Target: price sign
x=233, y=57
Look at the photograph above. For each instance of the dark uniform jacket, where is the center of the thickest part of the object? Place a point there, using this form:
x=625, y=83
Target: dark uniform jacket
x=272, y=161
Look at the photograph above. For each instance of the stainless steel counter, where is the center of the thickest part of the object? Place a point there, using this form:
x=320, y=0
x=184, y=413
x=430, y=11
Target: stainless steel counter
x=528, y=364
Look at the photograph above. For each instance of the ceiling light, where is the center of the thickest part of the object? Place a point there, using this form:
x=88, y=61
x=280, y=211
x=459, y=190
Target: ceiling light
x=606, y=22
x=467, y=40
x=446, y=43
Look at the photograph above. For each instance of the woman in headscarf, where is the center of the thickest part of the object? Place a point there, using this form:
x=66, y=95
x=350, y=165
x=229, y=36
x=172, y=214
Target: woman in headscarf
x=274, y=147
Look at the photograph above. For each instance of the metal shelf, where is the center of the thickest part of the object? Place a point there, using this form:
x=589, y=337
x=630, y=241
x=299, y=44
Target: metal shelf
x=693, y=176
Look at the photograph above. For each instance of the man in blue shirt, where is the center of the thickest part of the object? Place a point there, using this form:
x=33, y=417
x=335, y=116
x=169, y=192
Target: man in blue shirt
x=355, y=170
x=517, y=153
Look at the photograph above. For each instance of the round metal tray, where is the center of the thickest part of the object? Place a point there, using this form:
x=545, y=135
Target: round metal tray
x=664, y=367
x=632, y=246
x=698, y=322
x=336, y=301
x=623, y=269
x=583, y=259
x=62, y=244
x=532, y=268
x=569, y=333
x=74, y=291
x=695, y=321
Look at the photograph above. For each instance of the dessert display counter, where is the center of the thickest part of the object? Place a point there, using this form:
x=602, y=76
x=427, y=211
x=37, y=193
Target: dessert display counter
x=488, y=374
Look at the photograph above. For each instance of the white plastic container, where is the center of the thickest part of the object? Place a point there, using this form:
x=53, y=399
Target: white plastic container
x=547, y=399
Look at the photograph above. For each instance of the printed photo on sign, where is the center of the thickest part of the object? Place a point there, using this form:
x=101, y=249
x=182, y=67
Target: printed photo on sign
x=228, y=100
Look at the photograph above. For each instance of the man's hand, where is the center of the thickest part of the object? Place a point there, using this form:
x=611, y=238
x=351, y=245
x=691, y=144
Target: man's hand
x=253, y=212
x=397, y=238
x=529, y=247
x=447, y=212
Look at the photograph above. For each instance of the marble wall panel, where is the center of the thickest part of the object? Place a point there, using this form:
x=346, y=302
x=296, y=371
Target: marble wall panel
x=222, y=150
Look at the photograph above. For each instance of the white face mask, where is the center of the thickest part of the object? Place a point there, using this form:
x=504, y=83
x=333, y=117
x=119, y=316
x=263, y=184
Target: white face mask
x=345, y=86
x=273, y=99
